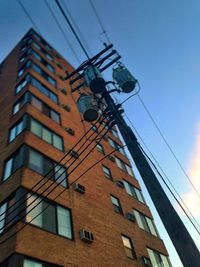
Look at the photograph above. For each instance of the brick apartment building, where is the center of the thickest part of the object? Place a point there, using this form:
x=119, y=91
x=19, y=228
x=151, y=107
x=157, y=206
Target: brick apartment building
x=103, y=219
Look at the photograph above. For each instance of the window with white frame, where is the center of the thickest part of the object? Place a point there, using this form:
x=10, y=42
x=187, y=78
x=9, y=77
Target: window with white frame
x=116, y=204
x=116, y=146
x=133, y=191
x=107, y=172
x=49, y=216
x=158, y=259
x=123, y=166
x=145, y=223
x=128, y=246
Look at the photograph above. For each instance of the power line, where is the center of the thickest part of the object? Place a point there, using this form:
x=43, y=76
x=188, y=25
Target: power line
x=169, y=188
x=62, y=31
x=55, y=186
x=163, y=172
x=28, y=15
x=167, y=144
x=99, y=20
x=26, y=223
x=57, y=165
x=72, y=29
x=76, y=27
x=50, y=172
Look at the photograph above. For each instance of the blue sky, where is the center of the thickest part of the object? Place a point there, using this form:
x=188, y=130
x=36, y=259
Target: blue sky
x=159, y=42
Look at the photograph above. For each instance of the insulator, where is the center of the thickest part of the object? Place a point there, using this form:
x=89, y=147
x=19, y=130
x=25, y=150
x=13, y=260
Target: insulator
x=94, y=79
x=124, y=79
x=87, y=105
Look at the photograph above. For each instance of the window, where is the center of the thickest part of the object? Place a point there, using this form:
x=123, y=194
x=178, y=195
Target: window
x=107, y=172
x=44, y=62
x=17, y=129
x=100, y=148
x=18, y=260
x=22, y=84
x=115, y=132
x=116, y=204
x=20, y=102
x=94, y=128
x=43, y=165
x=36, y=161
x=47, y=135
x=3, y=208
x=43, y=89
x=13, y=163
x=115, y=145
x=145, y=223
x=37, y=69
x=129, y=249
x=30, y=263
x=124, y=166
x=133, y=191
x=37, y=46
x=23, y=68
x=37, y=103
x=158, y=259
x=51, y=217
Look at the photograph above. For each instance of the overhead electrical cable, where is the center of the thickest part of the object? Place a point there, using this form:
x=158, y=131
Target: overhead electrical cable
x=57, y=165
x=28, y=15
x=76, y=27
x=47, y=189
x=168, y=145
x=180, y=205
x=192, y=216
x=62, y=31
x=27, y=223
x=14, y=207
x=100, y=21
x=72, y=29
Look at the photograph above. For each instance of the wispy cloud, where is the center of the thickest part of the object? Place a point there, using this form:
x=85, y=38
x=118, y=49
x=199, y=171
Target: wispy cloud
x=191, y=198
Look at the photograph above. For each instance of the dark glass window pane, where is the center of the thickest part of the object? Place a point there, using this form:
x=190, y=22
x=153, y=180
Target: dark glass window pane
x=18, y=159
x=57, y=142
x=53, y=97
x=36, y=103
x=8, y=169
x=35, y=161
x=47, y=135
x=60, y=175
x=48, y=168
x=55, y=116
x=49, y=217
x=46, y=110
x=36, y=128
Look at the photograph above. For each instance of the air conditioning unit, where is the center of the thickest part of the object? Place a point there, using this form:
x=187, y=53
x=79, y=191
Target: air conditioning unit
x=63, y=90
x=130, y=216
x=70, y=131
x=79, y=188
x=86, y=236
x=67, y=108
x=119, y=183
x=74, y=154
x=146, y=261
x=111, y=158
